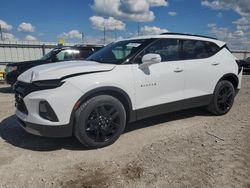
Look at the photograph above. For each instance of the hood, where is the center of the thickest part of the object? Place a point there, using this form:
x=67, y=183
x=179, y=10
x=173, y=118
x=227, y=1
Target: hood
x=63, y=70
x=25, y=63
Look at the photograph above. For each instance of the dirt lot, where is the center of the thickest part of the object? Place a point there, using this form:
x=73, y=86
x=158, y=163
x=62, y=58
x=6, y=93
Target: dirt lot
x=184, y=149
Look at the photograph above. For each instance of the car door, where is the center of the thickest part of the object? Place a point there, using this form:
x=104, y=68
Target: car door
x=159, y=87
x=202, y=71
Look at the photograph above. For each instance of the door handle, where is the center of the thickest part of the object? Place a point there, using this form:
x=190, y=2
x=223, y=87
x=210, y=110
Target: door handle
x=178, y=69
x=215, y=63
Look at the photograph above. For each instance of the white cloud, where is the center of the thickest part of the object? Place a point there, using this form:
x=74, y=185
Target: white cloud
x=148, y=30
x=172, y=13
x=9, y=36
x=110, y=24
x=242, y=21
x=26, y=27
x=30, y=38
x=235, y=39
x=138, y=11
x=73, y=34
x=157, y=3
x=5, y=26
x=240, y=6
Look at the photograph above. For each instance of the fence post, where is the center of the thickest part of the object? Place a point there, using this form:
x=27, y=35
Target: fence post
x=43, y=49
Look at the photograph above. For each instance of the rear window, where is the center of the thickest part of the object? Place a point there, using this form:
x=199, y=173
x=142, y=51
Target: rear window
x=195, y=49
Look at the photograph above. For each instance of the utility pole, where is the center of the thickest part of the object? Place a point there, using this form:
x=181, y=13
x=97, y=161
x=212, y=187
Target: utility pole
x=82, y=37
x=1, y=32
x=115, y=34
x=138, y=29
x=104, y=35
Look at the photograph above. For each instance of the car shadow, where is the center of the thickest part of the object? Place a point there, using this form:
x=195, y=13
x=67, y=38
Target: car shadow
x=13, y=134
x=6, y=89
x=165, y=118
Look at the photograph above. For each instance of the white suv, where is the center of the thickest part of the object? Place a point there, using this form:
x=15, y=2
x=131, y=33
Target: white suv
x=126, y=81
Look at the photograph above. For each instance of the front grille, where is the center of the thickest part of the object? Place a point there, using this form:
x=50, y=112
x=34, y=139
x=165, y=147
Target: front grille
x=19, y=103
x=21, y=90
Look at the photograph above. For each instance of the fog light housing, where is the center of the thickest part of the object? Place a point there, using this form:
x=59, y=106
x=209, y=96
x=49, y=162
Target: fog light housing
x=46, y=112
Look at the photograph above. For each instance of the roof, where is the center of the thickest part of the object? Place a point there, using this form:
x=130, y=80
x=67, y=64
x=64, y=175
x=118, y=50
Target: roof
x=182, y=36
x=185, y=34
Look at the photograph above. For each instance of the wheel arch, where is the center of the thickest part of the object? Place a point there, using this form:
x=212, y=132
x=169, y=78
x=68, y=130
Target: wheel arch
x=231, y=78
x=116, y=92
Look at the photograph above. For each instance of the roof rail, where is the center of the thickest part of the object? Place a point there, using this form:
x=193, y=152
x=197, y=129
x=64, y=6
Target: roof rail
x=184, y=34
x=88, y=45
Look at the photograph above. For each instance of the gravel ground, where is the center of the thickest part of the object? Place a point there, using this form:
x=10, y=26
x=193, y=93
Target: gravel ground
x=183, y=149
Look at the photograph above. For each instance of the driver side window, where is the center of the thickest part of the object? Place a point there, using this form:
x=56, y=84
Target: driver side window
x=168, y=49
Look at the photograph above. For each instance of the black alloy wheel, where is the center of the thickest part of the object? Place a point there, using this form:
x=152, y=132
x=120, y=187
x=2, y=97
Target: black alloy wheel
x=225, y=98
x=100, y=121
x=103, y=122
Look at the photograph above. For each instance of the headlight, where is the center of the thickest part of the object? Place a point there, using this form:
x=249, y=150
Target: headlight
x=11, y=69
x=49, y=84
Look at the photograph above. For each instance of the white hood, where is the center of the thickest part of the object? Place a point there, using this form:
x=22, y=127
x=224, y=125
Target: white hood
x=61, y=69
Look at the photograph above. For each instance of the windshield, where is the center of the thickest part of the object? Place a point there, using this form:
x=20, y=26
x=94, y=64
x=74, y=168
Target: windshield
x=49, y=55
x=118, y=52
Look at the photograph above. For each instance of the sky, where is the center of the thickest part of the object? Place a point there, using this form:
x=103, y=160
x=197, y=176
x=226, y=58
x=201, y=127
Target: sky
x=85, y=20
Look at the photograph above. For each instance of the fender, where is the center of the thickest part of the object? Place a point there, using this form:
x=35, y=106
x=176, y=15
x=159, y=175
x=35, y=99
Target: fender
x=110, y=90
x=230, y=77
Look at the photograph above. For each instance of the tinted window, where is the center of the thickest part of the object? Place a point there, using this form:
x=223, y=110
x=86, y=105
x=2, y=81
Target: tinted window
x=168, y=49
x=84, y=54
x=194, y=49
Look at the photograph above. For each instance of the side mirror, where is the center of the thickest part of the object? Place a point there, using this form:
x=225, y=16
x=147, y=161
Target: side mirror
x=150, y=59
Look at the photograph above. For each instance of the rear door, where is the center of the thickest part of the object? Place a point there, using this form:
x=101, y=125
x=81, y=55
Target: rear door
x=201, y=70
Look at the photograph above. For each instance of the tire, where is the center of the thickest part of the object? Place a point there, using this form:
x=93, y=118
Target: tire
x=223, y=98
x=100, y=121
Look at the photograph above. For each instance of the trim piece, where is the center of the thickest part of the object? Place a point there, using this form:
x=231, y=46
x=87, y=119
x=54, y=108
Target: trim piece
x=83, y=73
x=45, y=130
x=173, y=106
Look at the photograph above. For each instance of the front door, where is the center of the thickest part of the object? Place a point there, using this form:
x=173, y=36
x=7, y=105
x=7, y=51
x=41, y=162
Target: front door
x=159, y=87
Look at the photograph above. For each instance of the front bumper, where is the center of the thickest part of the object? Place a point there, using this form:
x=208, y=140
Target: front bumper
x=45, y=130
x=61, y=99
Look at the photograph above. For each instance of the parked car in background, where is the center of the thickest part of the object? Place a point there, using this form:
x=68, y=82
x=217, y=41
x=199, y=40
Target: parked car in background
x=78, y=52
x=127, y=81
x=246, y=65
x=2, y=73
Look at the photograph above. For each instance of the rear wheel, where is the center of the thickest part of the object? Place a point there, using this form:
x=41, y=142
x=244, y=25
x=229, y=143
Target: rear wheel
x=223, y=98
x=100, y=121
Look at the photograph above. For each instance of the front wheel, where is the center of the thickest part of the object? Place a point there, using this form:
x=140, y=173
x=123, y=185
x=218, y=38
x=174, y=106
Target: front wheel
x=223, y=98
x=100, y=121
